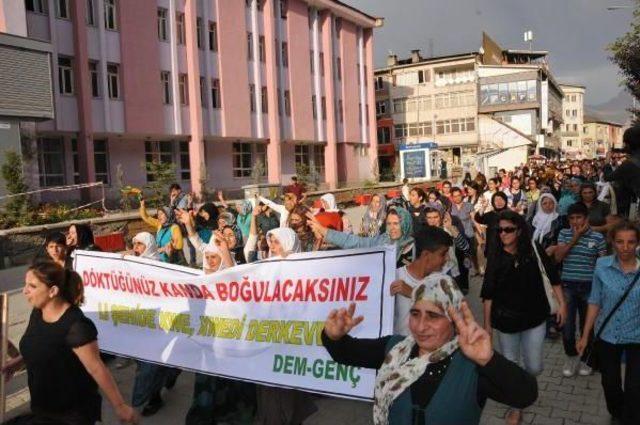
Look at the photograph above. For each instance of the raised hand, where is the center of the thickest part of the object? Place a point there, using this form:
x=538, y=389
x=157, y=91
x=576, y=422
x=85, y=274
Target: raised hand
x=341, y=321
x=474, y=340
x=318, y=229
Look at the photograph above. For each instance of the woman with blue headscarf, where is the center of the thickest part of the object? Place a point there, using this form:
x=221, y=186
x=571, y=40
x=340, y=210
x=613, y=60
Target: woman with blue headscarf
x=399, y=232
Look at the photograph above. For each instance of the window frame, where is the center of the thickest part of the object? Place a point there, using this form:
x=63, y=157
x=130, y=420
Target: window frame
x=62, y=10
x=40, y=5
x=111, y=15
x=90, y=18
x=181, y=33
x=105, y=176
x=111, y=77
x=213, y=36
x=165, y=82
x=183, y=89
x=94, y=77
x=66, y=88
x=45, y=176
x=163, y=33
x=215, y=94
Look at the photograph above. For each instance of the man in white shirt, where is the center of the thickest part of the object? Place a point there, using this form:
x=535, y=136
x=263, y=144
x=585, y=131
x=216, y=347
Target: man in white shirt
x=432, y=252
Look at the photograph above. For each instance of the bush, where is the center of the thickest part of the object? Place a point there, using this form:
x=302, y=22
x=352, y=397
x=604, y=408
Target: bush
x=161, y=176
x=15, y=208
x=50, y=213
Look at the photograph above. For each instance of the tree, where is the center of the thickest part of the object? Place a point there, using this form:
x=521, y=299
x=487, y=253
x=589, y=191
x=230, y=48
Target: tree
x=626, y=54
x=160, y=176
x=12, y=173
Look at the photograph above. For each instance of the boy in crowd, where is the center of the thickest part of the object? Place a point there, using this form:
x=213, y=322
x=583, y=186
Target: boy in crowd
x=578, y=248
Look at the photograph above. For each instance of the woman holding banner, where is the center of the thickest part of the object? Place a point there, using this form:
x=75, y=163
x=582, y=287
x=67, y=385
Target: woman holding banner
x=60, y=351
x=281, y=406
x=443, y=372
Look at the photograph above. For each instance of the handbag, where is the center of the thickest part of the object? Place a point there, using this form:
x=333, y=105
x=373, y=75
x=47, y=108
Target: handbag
x=548, y=289
x=610, y=315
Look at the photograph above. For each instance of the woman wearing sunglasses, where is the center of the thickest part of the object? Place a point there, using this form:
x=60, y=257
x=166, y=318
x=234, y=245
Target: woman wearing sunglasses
x=515, y=302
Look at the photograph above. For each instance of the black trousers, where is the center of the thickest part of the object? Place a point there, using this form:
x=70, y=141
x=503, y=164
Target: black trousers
x=622, y=403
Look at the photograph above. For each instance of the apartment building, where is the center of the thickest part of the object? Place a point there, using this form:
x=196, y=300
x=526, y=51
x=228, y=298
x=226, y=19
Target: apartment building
x=212, y=86
x=484, y=110
x=600, y=136
x=573, y=114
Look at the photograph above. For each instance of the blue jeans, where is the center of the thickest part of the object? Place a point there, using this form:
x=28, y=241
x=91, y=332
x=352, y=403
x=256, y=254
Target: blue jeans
x=530, y=342
x=149, y=380
x=576, y=295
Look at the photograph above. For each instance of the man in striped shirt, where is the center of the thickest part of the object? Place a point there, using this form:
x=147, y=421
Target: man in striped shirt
x=578, y=248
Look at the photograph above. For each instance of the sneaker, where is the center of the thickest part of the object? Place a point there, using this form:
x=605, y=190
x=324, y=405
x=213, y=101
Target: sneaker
x=584, y=369
x=570, y=366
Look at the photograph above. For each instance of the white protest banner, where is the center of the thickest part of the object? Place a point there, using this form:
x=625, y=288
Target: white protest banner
x=257, y=322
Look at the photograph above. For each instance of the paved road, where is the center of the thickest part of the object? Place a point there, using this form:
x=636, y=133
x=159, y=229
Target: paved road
x=562, y=401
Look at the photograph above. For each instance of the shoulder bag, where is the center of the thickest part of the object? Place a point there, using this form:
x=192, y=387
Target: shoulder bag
x=548, y=289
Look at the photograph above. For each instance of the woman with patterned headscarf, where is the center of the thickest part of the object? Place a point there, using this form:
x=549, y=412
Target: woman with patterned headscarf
x=442, y=373
x=374, y=217
x=399, y=231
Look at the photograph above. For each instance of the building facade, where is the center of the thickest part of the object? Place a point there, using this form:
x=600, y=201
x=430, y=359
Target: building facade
x=232, y=92
x=599, y=136
x=484, y=110
x=26, y=95
x=572, y=128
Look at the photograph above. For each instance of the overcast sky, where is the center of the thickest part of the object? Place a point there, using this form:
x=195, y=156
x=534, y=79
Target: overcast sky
x=575, y=32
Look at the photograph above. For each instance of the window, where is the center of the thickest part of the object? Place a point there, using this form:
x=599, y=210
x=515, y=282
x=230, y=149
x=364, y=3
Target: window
x=574, y=113
x=381, y=107
x=318, y=158
x=158, y=152
x=321, y=63
x=262, y=49
x=185, y=166
x=400, y=131
x=165, y=81
x=203, y=92
x=91, y=13
x=338, y=27
x=340, y=111
x=95, y=80
x=424, y=76
x=339, y=68
x=287, y=103
x=384, y=135
x=183, y=88
x=110, y=16
x=575, y=127
x=285, y=54
x=65, y=76
x=249, y=46
x=36, y=6
x=264, y=100
x=283, y=9
x=313, y=107
x=215, y=93
x=302, y=155
x=252, y=97
x=113, y=80
x=213, y=36
x=323, y=105
x=101, y=160
x=199, y=32
x=569, y=143
x=62, y=9
x=75, y=160
x=162, y=24
x=180, y=28
x=312, y=62
x=379, y=83
x=51, y=162
x=503, y=93
x=242, y=163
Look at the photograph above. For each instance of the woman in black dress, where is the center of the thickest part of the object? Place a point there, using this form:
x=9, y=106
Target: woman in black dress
x=60, y=351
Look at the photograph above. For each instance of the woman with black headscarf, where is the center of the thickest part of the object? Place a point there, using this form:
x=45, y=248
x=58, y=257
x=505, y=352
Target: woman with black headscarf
x=206, y=221
x=490, y=219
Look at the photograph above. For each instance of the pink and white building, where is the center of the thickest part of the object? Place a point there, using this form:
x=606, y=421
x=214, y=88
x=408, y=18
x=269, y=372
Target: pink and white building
x=214, y=86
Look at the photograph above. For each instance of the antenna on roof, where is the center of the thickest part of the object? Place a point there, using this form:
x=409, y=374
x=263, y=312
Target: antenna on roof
x=528, y=36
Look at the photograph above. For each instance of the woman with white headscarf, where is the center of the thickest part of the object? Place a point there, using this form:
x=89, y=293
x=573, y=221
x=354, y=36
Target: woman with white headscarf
x=442, y=373
x=546, y=221
x=330, y=205
x=280, y=406
x=145, y=246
